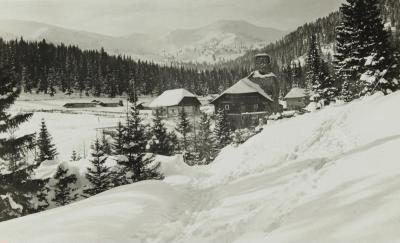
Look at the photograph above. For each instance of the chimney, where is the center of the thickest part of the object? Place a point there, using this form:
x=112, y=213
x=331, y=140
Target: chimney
x=263, y=63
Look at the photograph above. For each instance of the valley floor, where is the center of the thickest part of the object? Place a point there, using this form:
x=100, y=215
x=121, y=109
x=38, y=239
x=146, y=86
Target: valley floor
x=329, y=176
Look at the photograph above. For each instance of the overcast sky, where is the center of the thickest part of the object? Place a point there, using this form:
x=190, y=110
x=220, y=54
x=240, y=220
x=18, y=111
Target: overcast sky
x=122, y=17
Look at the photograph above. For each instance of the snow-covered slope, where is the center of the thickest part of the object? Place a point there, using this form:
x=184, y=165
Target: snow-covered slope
x=214, y=42
x=222, y=40
x=328, y=176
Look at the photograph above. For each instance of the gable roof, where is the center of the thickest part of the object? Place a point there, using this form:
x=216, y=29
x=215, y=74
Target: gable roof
x=171, y=98
x=296, y=93
x=245, y=86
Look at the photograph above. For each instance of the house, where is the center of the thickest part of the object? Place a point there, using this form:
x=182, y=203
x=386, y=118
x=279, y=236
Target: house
x=80, y=105
x=245, y=104
x=253, y=97
x=297, y=99
x=171, y=102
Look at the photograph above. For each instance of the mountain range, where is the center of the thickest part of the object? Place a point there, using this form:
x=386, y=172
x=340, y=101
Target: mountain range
x=220, y=41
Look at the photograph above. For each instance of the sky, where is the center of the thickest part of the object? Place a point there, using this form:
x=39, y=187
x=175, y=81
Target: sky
x=123, y=17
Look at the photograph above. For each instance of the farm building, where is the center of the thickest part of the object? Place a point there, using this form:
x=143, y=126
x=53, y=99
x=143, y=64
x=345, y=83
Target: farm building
x=245, y=103
x=111, y=104
x=80, y=105
x=171, y=102
x=297, y=99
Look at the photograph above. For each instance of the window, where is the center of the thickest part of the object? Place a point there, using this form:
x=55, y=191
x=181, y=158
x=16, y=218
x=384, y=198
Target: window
x=227, y=107
x=255, y=107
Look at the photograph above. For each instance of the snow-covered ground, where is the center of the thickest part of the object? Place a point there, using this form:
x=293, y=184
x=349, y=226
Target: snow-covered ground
x=329, y=176
x=73, y=129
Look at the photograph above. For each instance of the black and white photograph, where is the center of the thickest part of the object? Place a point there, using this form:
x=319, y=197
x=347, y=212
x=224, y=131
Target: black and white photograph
x=199, y=121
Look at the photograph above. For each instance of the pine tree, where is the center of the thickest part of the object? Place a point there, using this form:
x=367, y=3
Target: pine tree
x=222, y=131
x=118, y=140
x=313, y=62
x=160, y=142
x=64, y=191
x=17, y=186
x=325, y=88
x=205, y=141
x=74, y=156
x=380, y=58
x=99, y=175
x=47, y=150
x=105, y=144
x=364, y=61
x=12, y=148
x=184, y=128
x=138, y=164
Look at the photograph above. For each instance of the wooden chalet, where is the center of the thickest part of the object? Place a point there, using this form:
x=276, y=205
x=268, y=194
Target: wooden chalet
x=171, y=102
x=245, y=104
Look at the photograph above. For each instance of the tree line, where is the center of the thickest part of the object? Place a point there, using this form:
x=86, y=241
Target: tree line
x=48, y=68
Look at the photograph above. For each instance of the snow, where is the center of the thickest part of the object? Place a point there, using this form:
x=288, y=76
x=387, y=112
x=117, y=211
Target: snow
x=245, y=86
x=257, y=74
x=296, y=93
x=170, y=98
x=329, y=176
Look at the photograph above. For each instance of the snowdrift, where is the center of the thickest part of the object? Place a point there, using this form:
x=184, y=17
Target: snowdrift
x=329, y=176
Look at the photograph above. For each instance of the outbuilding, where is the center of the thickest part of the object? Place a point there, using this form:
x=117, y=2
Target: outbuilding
x=171, y=102
x=297, y=99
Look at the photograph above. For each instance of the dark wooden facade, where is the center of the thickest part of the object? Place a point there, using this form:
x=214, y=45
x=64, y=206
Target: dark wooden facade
x=244, y=110
x=80, y=105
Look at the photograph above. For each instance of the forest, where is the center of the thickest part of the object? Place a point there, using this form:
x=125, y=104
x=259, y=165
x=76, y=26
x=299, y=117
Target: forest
x=44, y=67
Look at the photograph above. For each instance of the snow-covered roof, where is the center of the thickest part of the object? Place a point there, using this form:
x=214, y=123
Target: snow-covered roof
x=257, y=74
x=296, y=93
x=245, y=86
x=171, y=98
x=262, y=55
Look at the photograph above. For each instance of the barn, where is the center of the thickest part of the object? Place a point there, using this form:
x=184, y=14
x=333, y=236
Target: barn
x=245, y=103
x=171, y=102
x=80, y=105
x=297, y=99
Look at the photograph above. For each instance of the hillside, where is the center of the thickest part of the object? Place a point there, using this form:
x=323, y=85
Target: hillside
x=295, y=44
x=222, y=40
x=335, y=180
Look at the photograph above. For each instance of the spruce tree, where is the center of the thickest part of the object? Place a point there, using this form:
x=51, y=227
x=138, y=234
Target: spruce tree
x=139, y=165
x=380, y=58
x=12, y=148
x=222, y=131
x=160, y=142
x=205, y=141
x=99, y=175
x=118, y=137
x=47, y=150
x=184, y=129
x=364, y=61
x=325, y=88
x=64, y=190
x=16, y=186
x=105, y=144
x=313, y=62
x=74, y=156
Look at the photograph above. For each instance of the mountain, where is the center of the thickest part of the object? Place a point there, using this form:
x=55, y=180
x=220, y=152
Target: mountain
x=136, y=45
x=222, y=40
x=294, y=45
